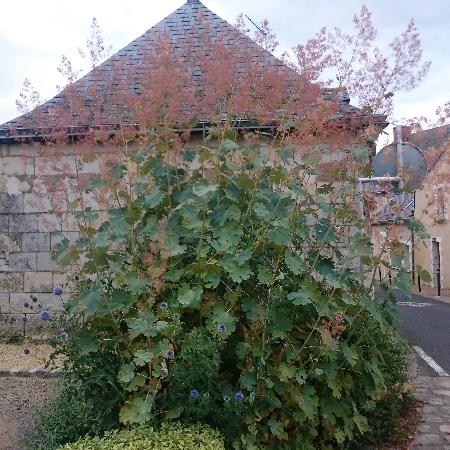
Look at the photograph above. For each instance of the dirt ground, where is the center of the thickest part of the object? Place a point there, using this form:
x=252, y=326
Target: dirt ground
x=17, y=398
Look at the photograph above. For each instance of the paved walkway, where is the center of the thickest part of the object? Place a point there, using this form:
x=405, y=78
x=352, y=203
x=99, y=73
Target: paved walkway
x=434, y=430
x=431, y=293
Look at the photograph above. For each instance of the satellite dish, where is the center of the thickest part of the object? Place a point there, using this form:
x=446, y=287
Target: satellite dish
x=414, y=165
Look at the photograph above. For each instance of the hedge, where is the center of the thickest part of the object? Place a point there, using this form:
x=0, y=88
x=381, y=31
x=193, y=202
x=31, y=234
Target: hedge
x=170, y=437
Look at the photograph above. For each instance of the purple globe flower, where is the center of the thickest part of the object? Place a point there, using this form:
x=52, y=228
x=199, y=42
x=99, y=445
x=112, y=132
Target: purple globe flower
x=170, y=354
x=221, y=328
x=163, y=305
x=239, y=396
x=194, y=393
x=45, y=315
x=226, y=398
x=58, y=290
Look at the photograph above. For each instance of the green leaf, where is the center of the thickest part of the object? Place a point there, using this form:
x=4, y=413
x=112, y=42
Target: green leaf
x=86, y=343
x=202, y=188
x=137, y=382
x=248, y=380
x=301, y=297
x=143, y=325
x=91, y=298
x=277, y=429
x=188, y=297
x=126, y=373
x=142, y=357
x=265, y=276
x=281, y=236
x=221, y=317
x=361, y=423
x=138, y=411
x=237, y=273
x=174, y=275
x=351, y=353
x=174, y=413
x=286, y=372
x=227, y=237
x=294, y=262
x=308, y=402
x=153, y=198
x=136, y=285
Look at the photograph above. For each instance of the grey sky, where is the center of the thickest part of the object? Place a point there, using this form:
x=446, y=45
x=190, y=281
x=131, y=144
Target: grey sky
x=34, y=35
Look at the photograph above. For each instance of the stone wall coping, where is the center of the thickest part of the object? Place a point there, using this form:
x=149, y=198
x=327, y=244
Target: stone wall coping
x=38, y=372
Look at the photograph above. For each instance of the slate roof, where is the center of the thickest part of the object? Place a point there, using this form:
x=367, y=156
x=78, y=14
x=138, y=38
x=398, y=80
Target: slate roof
x=187, y=28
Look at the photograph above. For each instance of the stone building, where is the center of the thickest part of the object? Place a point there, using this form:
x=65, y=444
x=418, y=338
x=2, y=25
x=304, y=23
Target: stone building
x=33, y=217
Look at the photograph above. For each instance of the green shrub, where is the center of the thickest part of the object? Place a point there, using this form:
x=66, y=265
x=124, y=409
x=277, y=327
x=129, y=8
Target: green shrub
x=67, y=417
x=236, y=295
x=396, y=397
x=170, y=437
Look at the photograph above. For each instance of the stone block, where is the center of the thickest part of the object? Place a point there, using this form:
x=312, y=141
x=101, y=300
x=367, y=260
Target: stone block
x=34, y=202
x=56, y=238
x=10, y=204
x=35, y=242
x=45, y=301
x=45, y=262
x=10, y=242
x=23, y=223
x=23, y=150
x=11, y=282
x=58, y=165
x=4, y=303
x=38, y=282
x=91, y=167
x=4, y=223
x=48, y=222
x=21, y=262
x=16, y=165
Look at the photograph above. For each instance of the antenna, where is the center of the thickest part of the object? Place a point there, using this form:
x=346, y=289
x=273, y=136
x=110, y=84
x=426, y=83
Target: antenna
x=260, y=30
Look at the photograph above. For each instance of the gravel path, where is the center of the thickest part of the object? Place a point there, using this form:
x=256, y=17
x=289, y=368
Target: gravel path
x=17, y=398
x=25, y=356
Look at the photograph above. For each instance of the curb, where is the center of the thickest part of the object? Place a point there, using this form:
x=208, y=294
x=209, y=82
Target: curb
x=36, y=372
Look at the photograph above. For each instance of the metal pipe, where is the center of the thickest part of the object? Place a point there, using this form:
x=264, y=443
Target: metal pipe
x=438, y=276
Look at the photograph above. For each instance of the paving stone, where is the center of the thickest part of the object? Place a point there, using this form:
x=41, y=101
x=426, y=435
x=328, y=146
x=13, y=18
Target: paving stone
x=432, y=419
x=426, y=439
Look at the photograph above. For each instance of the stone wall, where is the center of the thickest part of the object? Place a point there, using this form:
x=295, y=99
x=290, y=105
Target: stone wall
x=33, y=219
